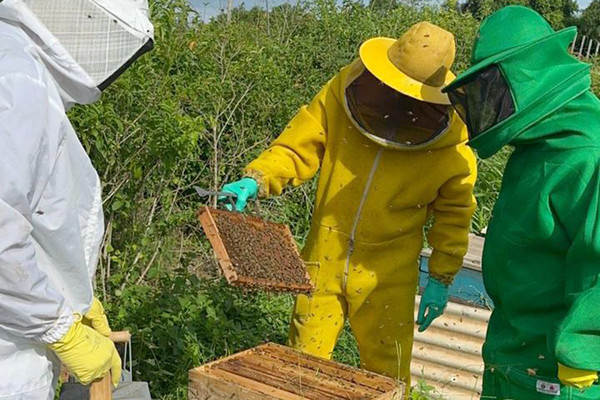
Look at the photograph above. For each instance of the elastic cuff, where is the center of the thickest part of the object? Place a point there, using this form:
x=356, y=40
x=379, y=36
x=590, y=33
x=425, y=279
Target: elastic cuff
x=59, y=329
x=259, y=177
x=444, y=279
x=443, y=267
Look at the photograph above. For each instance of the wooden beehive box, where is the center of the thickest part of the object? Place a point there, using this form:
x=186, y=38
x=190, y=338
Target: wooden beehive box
x=254, y=253
x=274, y=372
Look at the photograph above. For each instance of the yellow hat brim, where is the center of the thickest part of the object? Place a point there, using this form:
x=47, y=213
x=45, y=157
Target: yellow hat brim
x=374, y=56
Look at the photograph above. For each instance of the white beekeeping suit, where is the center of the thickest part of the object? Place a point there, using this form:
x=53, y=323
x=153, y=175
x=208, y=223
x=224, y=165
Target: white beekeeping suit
x=53, y=53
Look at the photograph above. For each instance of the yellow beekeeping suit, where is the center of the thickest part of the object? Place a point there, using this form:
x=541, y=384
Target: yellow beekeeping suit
x=367, y=227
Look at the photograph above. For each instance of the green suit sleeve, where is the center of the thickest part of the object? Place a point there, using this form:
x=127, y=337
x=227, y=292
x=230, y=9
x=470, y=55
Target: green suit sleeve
x=577, y=338
x=452, y=212
x=296, y=155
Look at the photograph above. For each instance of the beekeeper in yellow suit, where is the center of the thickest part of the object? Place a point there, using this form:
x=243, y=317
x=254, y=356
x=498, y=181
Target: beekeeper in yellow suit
x=391, y=152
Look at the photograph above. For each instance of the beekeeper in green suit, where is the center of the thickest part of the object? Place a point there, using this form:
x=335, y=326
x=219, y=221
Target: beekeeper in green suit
x=541, y=261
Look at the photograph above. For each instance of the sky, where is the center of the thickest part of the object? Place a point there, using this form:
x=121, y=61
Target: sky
x=210, y=8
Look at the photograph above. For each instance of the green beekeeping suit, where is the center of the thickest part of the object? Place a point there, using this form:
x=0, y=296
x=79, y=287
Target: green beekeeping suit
x=541, y=261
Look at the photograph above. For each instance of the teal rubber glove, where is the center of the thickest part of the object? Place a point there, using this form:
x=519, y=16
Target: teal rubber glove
x=245, y=189
x=433, y=301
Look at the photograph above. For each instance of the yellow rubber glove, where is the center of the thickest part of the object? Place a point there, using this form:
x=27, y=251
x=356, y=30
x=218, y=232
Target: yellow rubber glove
x=87, y=354
x=576, y=377
x=96, y=318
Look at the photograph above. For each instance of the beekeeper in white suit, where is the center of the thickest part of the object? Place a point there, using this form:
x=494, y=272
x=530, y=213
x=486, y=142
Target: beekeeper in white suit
x=55, y=53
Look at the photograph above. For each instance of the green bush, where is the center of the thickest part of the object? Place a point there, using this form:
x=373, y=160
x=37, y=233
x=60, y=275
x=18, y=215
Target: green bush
x=559, y=13
x=192, y=112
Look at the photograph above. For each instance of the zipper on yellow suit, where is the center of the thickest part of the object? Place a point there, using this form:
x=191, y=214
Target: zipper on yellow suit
x=357, y=217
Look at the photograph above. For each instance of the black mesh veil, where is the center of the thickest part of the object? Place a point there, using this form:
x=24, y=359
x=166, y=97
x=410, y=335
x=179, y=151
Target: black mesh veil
x=483, y=101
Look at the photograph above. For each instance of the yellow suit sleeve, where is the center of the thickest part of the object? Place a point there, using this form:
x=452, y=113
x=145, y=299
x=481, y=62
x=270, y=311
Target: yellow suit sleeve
x=452, y=212
x=295, y=156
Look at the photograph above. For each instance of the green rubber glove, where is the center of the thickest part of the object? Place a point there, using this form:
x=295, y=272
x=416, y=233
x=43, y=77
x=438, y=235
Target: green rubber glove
x=433, y=301
x=245, y=189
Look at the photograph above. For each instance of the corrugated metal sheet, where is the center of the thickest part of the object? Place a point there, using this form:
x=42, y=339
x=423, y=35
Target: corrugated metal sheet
x=448, y=355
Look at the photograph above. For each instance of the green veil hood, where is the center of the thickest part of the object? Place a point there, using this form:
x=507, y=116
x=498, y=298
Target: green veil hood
x=541, y=74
